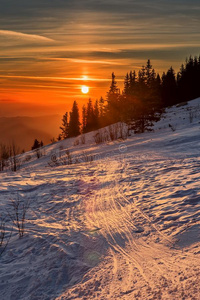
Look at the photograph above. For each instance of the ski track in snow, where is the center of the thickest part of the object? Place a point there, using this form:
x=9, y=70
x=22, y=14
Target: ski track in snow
x=126, y=226
x=139, y=250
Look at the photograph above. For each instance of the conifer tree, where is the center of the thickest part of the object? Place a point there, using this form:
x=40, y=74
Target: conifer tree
x=84, y=119
x=112, y=102
x=74, y=123
x=96, y=114
x=169, y=88
x=90, y=117
x=36, y=144
x=142, y=78
x=188, y=80
x=101, y=107
x=127, y=84
x=133, y=78
x=65, y=127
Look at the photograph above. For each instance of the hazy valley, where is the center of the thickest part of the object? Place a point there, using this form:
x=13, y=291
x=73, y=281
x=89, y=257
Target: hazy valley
x=23, y=130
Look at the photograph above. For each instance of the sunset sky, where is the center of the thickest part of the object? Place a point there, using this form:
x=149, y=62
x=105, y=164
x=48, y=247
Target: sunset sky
x=50, y=48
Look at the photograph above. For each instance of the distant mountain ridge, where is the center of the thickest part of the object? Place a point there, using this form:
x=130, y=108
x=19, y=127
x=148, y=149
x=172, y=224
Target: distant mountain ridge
x=23, y=130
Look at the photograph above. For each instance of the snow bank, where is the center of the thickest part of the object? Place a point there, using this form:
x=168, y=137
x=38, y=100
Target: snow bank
x=123, y=225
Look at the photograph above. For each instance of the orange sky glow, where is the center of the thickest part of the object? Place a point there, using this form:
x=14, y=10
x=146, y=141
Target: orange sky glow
x=49, y=51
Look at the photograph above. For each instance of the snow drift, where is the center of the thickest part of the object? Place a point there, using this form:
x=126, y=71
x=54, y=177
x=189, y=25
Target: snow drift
x=122, y=225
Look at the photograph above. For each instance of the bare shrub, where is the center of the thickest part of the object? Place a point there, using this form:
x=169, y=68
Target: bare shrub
x=191, y=116
x=53, y=140
x=98, y=137
x=114, y=132
x=2, y=231
x=39, y=153
x=4, y=155
x=112, y=129
x=18, y=212
x=9, y=157
x=76, y=142
x=15, y=163
x=123, y=131
x=106, y=135
x=86, y=158
x=173, y=128
x=27, y=158
x=82, y=139
x=69, y=157
x=60, y=151
x=53, y=161
x=65, y=159
x=3, y=239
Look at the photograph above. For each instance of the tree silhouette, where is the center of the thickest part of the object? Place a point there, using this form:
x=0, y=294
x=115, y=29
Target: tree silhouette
x=90, y=117
x=84, y=119
x=169, y=88
x=141, y=101
x=188, y=79
x=65, y=127
x=112, y=108
x=74, y=123
x=36, y=144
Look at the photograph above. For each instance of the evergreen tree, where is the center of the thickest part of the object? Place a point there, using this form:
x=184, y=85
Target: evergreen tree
x=59, y=138
x=101, y=107
x=36, y=145
x=169, y=88
x=90, y=116
x=142, y=79
x=142, y=99
x=74, y=124
x=65, y=127
x=113, y=87
x=149, y=72
x=133, y=79
x=96, y=114
x=84, y=119
x=188, y=80
x=127, y=84
x=112, y=109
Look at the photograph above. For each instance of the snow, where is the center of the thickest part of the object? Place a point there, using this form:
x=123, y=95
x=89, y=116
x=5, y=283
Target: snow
x=123, y=226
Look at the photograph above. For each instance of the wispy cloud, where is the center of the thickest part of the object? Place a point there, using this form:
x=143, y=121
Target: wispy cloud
x=83, y=78
x=24, y=36
x=7, y=100
x=48, y=45
x=85, y=61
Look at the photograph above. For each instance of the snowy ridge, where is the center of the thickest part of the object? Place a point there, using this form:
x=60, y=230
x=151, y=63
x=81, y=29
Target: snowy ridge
x=123, y=226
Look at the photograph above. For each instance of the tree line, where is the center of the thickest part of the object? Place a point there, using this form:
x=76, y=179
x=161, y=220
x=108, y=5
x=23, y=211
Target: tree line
x=141, y=102
x=144, y=96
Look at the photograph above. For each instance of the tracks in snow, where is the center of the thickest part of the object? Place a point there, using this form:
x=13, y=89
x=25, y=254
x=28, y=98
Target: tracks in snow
x=142, y=262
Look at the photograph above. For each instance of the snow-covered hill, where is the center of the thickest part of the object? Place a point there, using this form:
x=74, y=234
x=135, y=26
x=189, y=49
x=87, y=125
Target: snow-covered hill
x=121, y=222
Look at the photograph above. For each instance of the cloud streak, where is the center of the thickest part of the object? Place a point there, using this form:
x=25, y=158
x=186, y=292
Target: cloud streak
x=23, y=36
x=83, y=78
x=61, y=44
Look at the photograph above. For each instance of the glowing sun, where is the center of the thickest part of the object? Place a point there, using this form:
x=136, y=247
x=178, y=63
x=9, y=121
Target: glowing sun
x=84, y=89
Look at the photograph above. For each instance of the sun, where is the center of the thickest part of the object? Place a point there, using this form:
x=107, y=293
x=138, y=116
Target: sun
x=85, y=89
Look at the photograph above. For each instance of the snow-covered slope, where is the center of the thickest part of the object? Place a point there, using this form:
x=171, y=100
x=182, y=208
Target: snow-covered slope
x=121, y=222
